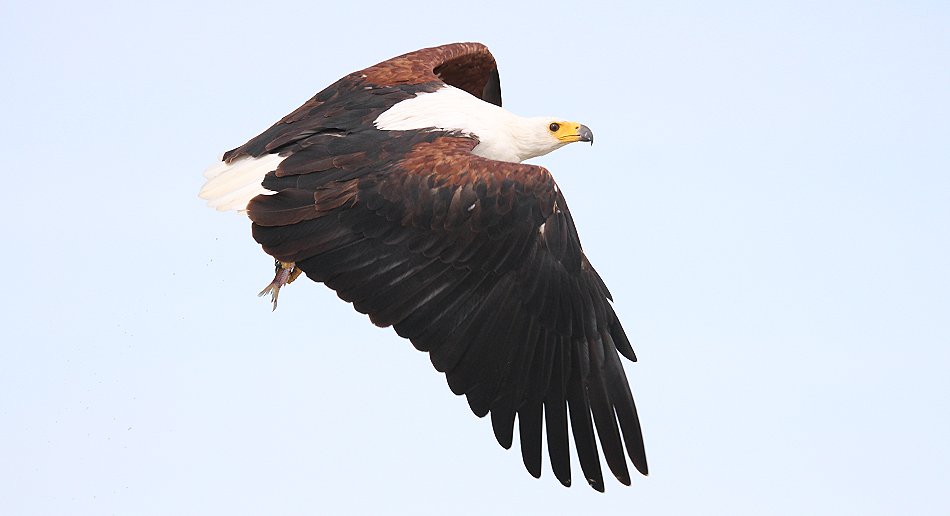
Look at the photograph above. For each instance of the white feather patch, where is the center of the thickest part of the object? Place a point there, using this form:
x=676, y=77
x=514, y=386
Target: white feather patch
x=447, y=108
x=230, y=186
x=501, y=135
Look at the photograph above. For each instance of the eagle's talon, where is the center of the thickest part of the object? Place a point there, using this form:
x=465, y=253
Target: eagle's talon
x=286, y=274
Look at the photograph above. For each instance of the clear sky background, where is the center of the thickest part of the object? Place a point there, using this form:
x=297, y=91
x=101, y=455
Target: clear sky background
x=768, y=199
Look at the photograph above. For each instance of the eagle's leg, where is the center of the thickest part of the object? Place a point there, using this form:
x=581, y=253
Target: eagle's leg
x=286, y=273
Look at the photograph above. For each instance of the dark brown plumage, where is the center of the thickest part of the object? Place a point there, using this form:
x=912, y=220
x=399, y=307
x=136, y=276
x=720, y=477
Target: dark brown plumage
x=475, y=261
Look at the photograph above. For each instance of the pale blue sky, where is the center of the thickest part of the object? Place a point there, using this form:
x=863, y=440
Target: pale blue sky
x=768, y=200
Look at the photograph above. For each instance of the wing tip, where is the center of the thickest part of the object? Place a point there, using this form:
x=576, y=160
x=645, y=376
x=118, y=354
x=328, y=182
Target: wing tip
x=536, y=473
x=642, y=467
x=597, y=484
x=503, y=427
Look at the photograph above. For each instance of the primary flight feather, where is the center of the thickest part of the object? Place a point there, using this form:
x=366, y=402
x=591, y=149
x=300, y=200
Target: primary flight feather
x=401, y=187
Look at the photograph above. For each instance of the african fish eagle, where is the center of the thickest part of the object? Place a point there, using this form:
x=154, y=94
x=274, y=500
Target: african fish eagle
x=402, y=188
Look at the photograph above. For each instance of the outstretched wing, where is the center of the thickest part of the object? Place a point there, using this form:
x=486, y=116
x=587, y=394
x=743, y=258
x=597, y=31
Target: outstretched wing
x=473, y=260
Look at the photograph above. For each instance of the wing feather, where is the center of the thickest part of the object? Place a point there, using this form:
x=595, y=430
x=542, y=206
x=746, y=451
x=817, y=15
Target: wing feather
x=555, y=421
x=529, y=429
x=503, y=424
x=579, y=409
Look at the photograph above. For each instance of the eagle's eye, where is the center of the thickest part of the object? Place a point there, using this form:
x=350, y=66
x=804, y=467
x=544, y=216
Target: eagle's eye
x=554, y=127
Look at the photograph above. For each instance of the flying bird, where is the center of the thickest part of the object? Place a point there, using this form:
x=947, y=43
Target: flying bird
x=402, y=188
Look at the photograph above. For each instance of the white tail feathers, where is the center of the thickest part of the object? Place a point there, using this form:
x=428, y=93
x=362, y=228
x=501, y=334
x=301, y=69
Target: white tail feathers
x=230, y=186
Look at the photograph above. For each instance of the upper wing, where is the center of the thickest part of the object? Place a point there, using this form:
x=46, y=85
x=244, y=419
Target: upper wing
x=478, y=263
x=347, y=106
x=354, y=101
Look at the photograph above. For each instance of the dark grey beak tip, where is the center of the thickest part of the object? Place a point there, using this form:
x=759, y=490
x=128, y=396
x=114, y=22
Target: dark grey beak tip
x=586, y=135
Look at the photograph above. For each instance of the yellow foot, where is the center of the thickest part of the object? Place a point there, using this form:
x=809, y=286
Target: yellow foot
x=286, y=273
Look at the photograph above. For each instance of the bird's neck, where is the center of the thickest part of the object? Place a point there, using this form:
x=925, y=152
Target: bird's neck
x=502, y=135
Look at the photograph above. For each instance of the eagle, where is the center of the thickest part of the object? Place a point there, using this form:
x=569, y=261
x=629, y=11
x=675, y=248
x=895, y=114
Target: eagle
x=402, y=187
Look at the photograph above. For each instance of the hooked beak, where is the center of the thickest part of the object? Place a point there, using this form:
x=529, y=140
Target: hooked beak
x=574, y=132
x=584, y=134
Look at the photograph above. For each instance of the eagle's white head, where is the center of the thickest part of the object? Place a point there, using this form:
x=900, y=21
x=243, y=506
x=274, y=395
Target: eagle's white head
x=502, y=135
x=533, y=137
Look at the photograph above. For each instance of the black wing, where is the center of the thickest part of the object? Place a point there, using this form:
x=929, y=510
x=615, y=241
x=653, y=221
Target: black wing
x=477, y=262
